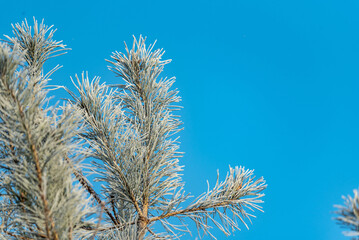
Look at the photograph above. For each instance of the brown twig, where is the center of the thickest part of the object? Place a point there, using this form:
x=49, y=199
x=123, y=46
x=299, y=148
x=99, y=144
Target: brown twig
x=119, y=227
x=81, y=178
x=113, y=208
x=154, y=234
x=99, y=221
x=17, y=236
x=183, y=211
x=25, y=238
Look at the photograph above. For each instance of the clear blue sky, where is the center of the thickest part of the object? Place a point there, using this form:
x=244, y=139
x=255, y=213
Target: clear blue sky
x=271, y=85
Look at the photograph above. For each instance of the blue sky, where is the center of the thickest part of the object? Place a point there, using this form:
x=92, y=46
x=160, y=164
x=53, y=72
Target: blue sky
x=270, y=85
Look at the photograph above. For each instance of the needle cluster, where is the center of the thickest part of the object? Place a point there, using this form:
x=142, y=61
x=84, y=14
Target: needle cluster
x=348, y=215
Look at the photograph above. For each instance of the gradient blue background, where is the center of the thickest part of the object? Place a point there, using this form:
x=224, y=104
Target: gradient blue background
x=271, y=85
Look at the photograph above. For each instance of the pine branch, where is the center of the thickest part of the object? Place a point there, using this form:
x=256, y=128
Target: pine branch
x=238, y=191
x=348, y=214
x=38, y=184
x=129, y=129
x=48, y=218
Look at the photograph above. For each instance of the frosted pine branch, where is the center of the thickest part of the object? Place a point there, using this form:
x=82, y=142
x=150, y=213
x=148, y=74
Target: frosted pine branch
x=130, y=130
x=238, y=193
x=348, y=214
x=37, y=182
